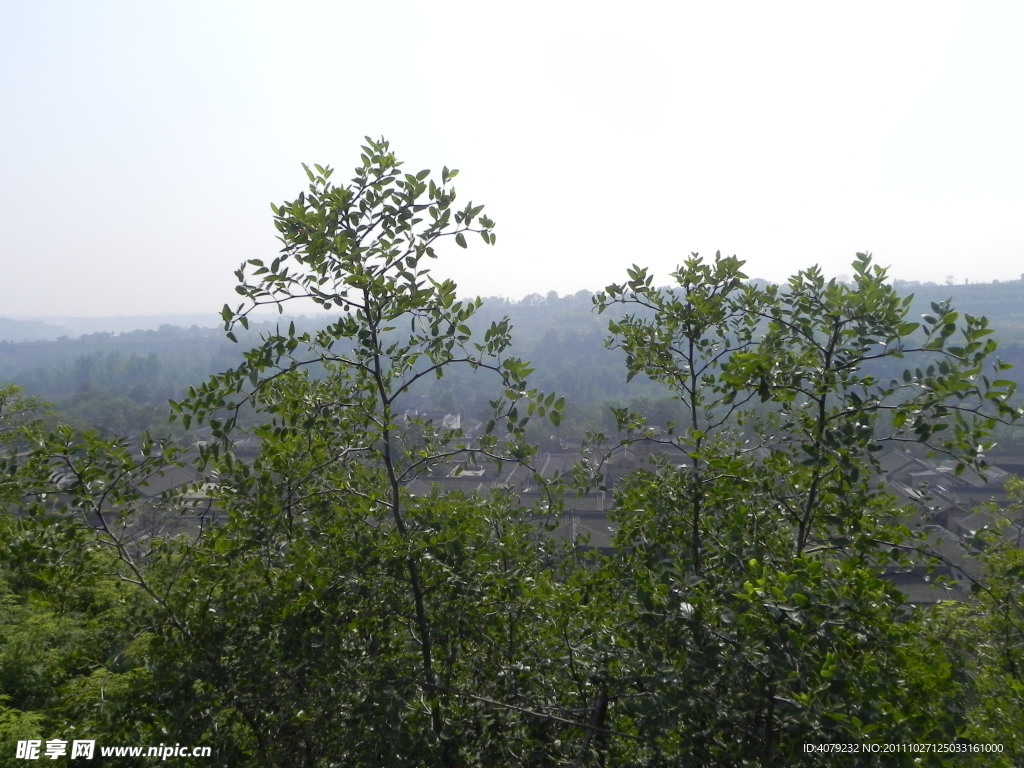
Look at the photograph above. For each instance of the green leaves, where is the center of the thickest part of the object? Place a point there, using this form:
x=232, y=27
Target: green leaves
x=685, y=336
x=769, y=532
x=394, y=610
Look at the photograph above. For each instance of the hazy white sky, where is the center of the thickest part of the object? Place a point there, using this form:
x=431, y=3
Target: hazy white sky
x=143, y=142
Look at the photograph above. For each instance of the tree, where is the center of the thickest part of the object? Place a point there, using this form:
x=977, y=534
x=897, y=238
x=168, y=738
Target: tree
x=774, y=614
x=390, y=626
x=69, y=581
x=986, y=634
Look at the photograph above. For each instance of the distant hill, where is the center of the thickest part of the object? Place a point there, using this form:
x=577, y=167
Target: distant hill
x=79, y=326
x=30, y=330
x=1002, y=303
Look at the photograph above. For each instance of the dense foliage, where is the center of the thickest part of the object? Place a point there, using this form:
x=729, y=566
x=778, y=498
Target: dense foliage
x=324, y=601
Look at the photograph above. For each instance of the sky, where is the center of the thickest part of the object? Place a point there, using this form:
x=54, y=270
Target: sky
x=143, y=142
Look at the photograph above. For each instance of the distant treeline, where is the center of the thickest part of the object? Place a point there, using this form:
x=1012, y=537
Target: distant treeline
x=118, y=383
x=121, y=382
x=1002, y=303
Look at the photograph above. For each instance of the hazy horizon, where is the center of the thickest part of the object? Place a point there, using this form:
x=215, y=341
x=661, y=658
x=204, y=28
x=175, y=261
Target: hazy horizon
x=269, y=313
x=13, y=327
